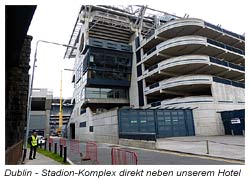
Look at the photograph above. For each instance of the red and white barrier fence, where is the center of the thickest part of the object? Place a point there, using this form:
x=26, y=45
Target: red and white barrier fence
x=123, y=157
x=91, y=152
x=74, y=146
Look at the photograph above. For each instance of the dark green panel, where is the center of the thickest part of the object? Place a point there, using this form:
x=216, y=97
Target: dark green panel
x=138, y=123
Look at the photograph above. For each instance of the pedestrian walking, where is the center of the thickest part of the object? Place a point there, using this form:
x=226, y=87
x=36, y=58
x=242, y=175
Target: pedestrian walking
x=33, y=141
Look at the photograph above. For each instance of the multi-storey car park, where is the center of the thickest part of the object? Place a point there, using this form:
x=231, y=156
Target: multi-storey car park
x=142, y=73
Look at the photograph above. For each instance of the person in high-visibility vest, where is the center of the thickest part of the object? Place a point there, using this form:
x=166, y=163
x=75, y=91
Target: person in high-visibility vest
x=33, y=145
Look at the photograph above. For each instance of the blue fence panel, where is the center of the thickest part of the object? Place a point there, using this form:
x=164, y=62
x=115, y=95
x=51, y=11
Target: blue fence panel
x=151, y=123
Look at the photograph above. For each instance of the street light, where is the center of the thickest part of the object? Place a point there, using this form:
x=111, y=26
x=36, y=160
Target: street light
x=30, y=91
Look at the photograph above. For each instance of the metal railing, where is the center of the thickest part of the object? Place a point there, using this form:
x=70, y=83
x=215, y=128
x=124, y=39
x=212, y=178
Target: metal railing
x=90, y=153
x=123, y=157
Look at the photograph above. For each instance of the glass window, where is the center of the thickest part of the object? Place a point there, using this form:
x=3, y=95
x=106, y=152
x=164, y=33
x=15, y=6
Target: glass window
x=91, y=128
x=91, y=58
x=82, y=124
x=106, y=93
x=110, y=60
x=93, y=93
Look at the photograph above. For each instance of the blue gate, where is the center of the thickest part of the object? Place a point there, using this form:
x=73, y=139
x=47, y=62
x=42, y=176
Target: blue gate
x=151, y=123
x=234, y=122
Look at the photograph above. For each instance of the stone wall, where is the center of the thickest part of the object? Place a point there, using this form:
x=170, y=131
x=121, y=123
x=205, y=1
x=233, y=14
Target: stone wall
x=17, y=85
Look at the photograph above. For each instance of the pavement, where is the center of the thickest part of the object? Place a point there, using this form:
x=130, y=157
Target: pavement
x=228, y=147
x=40, y=160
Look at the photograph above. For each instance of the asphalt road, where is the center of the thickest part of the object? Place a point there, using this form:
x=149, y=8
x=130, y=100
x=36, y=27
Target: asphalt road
x=147, y=157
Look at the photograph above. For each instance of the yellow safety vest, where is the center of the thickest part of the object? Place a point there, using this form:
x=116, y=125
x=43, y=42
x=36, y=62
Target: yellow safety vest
x=34, y=140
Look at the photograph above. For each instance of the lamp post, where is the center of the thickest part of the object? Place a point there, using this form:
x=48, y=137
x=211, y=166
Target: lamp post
x=30, y=91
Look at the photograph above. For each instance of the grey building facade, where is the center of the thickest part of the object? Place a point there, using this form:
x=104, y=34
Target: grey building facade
x=128, y=58
x=41, y=100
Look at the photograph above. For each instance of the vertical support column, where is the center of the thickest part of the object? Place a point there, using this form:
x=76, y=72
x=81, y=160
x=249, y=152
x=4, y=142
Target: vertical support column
x=47, y=113
x=48, y=103
x=133, y=90
x=144, y=85
x=45, y=145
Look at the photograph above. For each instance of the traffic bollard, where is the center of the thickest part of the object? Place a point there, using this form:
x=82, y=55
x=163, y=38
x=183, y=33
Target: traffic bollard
x=61, y=150
x=232, y=132
x=55, y=148
x=65, y=154
x=207, y=147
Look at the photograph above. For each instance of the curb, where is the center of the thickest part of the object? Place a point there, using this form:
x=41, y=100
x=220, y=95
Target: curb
x=202, y=155
x=70, y=162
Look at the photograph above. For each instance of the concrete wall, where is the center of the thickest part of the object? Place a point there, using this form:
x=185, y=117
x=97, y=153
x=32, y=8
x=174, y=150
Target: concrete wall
x=227, y=93
x=40, y=120
x=82, y=133
x=37, y=121
x=207, y=121
x=105, y=126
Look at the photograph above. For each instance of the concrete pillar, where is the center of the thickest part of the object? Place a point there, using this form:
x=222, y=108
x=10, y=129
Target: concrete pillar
x=133, y=91
x=144, y=85
x=47, y=128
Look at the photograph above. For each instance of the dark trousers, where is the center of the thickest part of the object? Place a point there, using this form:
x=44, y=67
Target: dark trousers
x=33, y=148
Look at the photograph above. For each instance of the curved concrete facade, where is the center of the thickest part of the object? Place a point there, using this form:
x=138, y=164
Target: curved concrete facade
x=192, y=44
x=189, y=63
x=178, y=66
x=193, y=26
x=180, y=82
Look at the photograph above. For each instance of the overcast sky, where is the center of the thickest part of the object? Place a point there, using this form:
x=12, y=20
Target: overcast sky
x=55, y=22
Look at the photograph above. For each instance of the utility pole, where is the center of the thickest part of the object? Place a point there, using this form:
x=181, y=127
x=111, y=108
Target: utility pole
x=60, y=112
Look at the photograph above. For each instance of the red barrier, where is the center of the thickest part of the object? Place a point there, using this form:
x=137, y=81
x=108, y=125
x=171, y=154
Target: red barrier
x=62, y=141
x=74, y=146
x=51, y=140
x=90, y=152
x=123, y=157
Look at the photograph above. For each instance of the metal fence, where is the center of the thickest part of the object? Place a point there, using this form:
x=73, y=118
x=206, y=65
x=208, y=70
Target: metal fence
x=74, y=146
x=90, y=153
x=123, y=157
x=62, y=141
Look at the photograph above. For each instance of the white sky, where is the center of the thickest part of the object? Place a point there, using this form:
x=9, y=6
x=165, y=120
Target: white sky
x=54, y=22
